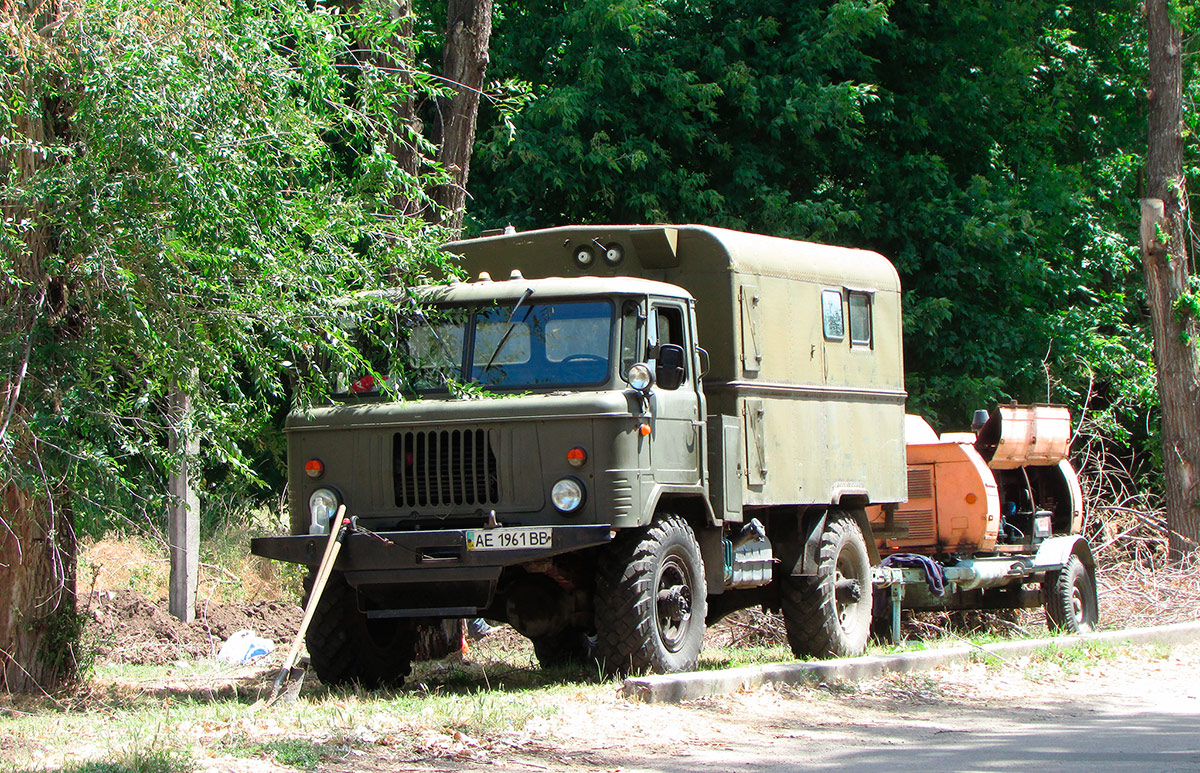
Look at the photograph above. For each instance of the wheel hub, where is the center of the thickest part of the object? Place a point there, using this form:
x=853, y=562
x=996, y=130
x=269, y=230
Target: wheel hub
x=673, y=604
x=847, y=591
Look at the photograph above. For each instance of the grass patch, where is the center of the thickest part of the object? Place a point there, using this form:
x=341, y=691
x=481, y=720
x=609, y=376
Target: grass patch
x=129, y=761
x=301, y=753
x=1052, y=661
x=495, y=691
x=715, y=658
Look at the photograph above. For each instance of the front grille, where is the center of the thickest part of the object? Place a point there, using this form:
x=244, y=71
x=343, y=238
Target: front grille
x=446, y=468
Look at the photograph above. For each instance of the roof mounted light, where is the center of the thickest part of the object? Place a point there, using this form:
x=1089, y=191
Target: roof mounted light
x=614, y=254
x=585, y=256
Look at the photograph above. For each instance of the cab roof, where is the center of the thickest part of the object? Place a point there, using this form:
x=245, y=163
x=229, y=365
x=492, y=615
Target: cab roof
x=478, y=291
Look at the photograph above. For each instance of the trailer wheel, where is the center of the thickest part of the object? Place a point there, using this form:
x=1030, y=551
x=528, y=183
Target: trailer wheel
x=651, y=600
x=1070, y=598
x=346, y=647
x=568, y=647
x=829, y=615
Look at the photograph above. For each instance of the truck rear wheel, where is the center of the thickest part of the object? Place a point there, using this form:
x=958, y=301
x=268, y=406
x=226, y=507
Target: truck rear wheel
x=651, y=600
x=1070, y=598
x=829, y=614
x=346, y=647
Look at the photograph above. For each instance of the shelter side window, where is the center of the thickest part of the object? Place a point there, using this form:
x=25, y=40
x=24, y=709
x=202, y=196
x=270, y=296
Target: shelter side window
x=831, y=315
x=860, y=318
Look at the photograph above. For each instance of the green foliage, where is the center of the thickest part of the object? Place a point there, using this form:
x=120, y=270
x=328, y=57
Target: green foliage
x=989, y=150
x=212, y=177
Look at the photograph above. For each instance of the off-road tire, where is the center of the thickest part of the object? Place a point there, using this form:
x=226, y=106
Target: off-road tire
x=651, y=600
x=818, y=623
x=566, y=648
x=347, y=648
x=1069, y=596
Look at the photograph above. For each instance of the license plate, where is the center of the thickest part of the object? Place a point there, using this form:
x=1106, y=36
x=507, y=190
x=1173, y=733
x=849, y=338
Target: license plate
x=513, y=538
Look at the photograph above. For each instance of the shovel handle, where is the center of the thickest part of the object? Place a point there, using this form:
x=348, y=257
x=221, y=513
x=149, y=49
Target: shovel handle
x=332, y=547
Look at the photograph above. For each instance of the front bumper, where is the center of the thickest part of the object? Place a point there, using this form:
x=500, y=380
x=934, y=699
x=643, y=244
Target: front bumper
x=423, y=573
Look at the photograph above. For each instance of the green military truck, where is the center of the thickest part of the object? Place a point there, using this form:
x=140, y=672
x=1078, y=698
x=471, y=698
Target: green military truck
x=672, y=423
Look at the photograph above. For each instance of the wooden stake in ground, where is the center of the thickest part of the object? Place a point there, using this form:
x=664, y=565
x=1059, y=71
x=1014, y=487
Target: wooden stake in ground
x=1174, y=307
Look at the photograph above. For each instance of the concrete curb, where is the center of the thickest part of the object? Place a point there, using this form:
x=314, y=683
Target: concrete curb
x=673, y=688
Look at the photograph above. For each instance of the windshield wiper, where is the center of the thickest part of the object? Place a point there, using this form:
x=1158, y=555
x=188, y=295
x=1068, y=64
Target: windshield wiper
x=512, y=322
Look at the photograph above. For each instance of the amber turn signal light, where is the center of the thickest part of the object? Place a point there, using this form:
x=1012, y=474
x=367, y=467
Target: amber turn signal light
x=314, y=468
x=576, y=457
x=644, y=429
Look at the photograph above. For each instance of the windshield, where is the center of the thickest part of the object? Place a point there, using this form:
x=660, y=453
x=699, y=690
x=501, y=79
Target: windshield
x=506, y=347
x=545, y=344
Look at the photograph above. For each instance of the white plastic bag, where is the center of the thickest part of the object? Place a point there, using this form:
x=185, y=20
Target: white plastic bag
x=244, y=646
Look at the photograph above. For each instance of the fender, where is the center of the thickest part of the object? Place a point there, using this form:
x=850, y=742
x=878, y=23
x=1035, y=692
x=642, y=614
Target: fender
x=807, y=566
x=1054, y=553
x=693, y=495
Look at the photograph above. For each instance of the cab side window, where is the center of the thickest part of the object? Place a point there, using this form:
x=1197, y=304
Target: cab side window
x=669, y=330
x=668, y=325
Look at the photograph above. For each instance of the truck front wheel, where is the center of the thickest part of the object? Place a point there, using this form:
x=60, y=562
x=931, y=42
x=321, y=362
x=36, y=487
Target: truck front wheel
x=347, y=647
x=829, y=614
x=1070, y=598
x=651, y=600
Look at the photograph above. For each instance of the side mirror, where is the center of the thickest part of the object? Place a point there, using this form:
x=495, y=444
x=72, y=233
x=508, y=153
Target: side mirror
x=670, y=371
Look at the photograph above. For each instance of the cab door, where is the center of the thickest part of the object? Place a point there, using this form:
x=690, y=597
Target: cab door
x=675, y=408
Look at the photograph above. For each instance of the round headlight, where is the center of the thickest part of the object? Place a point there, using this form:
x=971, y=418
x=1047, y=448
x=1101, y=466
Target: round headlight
x=640, y=376
x=322, y=506
x=567, y=495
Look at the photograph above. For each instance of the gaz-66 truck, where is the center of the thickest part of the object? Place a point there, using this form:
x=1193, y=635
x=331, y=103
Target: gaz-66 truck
x=670, y=423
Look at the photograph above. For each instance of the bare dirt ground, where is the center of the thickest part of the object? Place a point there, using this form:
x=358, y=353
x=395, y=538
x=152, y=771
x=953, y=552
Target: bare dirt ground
x=129, y=628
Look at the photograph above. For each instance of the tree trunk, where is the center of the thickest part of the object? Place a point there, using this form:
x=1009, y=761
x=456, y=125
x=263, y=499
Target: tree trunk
x=1164, y=231
x=39, y=625
x=464, y=64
